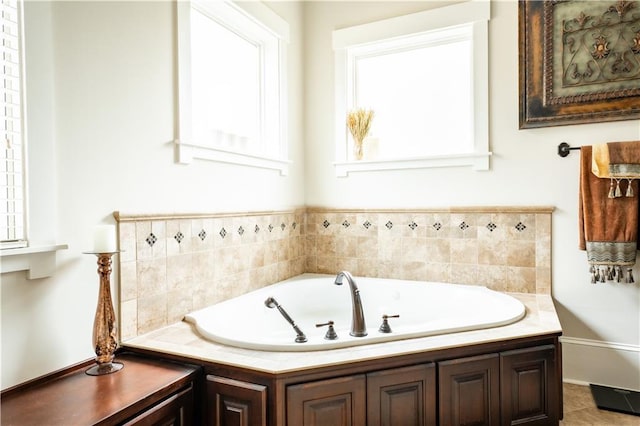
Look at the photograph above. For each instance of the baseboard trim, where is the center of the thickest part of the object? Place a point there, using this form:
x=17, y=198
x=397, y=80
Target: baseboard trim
x=600, y=344
x=600, y=362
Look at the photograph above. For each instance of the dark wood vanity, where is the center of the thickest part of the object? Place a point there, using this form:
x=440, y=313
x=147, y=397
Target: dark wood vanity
x=516, y=382
x=502, y=383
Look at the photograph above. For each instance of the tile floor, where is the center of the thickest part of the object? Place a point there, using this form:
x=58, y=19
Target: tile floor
x=580, y=409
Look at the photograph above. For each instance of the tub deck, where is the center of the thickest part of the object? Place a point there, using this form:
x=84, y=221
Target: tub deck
x=182, y=340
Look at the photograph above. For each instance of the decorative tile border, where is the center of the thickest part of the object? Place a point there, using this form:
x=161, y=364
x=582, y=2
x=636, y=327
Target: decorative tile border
x=174, y=264
x=506, y=249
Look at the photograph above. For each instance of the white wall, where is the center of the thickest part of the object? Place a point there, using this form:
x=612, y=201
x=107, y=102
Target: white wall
x=603, y=321
x=104, y=119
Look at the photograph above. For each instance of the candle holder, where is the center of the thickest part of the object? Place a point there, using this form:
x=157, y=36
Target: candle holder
x=104, y=324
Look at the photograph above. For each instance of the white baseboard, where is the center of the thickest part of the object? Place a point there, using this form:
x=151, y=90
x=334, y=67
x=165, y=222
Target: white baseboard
x=587, y=361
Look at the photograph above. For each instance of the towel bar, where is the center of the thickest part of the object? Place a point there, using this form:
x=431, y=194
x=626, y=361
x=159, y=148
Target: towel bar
x=564, y=149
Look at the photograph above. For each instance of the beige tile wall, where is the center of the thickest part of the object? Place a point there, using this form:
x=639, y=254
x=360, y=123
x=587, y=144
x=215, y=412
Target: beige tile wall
x=506, y=249
x=170, y=267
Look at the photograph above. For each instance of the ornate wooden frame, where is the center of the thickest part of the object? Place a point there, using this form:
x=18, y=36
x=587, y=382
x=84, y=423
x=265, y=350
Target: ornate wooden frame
x=584, y=69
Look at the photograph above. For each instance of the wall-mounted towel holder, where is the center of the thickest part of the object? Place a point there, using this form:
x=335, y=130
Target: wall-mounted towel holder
x=564, y=149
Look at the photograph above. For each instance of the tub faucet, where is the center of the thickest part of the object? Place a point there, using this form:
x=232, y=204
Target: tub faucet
x=271, y=303
x=358, y=327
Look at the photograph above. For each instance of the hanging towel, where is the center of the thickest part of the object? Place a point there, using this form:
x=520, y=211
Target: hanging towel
x=608, y=226
x=624, y=159
x=625, y=165
x=600, y=160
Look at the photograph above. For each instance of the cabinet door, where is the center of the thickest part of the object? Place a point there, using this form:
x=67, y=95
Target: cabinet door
x=469, y=391
x=333, y=402
x=235, y=403
x=530, y=386
x=177, y=410
x=402, y=396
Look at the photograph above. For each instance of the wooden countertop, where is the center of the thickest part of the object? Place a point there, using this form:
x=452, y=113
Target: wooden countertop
x=76, y=398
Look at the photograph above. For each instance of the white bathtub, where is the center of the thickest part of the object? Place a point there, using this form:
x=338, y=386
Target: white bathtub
x=425, y=309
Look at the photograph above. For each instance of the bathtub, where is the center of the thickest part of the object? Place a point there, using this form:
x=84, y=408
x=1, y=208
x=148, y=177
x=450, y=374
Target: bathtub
x=424, y=309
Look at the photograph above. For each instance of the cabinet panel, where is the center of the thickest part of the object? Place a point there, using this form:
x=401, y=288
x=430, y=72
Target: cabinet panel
x=177, y=410
x=333, y=402
x=469, y=391
x=402, y=396
x=529, y=386
x=235, y=403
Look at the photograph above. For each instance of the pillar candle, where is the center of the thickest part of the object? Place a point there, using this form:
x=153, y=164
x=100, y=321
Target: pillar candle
x=104, y=239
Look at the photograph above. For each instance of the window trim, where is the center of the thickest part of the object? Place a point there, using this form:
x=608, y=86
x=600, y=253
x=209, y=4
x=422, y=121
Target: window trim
x=476, y=13
x=39, y=261
x=185, y=148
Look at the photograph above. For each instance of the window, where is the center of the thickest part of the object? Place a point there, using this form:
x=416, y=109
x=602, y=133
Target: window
x=425, y=76
x=12, y=212
x=22, y=251
x=232, y=84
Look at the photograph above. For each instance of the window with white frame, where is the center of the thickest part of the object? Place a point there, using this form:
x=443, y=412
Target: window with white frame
x=232, y=84
x=12, y=199
x=425, y=77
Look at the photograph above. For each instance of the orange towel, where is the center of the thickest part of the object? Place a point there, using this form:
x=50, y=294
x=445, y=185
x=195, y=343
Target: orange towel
x=624, y=159
x=608, y=226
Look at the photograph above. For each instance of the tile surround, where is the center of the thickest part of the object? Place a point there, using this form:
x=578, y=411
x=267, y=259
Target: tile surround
x=175, y=264
x=172, y=265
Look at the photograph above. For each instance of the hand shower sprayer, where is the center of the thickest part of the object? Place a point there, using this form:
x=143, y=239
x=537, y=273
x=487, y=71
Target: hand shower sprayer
x=272, y=303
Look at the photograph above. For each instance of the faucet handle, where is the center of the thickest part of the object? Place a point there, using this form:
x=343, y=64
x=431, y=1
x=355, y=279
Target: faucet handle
x=331, y=332
x=384, y=327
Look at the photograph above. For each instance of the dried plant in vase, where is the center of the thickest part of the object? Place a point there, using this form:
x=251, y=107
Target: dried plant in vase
x=359, y=123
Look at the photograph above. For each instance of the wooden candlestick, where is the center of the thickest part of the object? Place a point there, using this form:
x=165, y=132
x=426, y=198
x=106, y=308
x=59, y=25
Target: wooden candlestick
x=104, y=325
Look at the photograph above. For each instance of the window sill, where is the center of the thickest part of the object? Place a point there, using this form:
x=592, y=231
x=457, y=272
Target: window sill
x=186, y=153
x=38, y=261
x=478, y=162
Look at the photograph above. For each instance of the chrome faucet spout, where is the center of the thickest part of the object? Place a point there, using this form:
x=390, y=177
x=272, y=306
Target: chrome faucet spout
x=358, y=326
